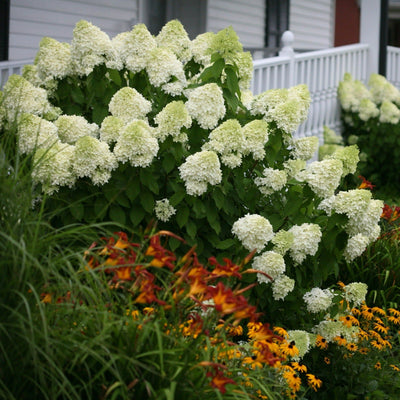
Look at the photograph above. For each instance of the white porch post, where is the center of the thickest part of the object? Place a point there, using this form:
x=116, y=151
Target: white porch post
x=370, y=17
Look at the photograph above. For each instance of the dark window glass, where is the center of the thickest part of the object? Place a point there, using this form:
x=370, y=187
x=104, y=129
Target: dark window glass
x=277, y=22
x=4, y=28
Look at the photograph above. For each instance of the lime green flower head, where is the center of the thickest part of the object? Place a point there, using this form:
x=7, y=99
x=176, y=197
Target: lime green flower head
x=133, y=48
x=110, y=129
x=93, y=158
x=256, y=134
x=174, y=37
x=53, y=59
x=228, y=141
x=128, y=104
x=201, y=48
x=226, y=43
x=348, y=155
x=271, y=181
x=73, y=127
x=34, y=132
x=171, y=120
x=53, y=167
x=137, y=144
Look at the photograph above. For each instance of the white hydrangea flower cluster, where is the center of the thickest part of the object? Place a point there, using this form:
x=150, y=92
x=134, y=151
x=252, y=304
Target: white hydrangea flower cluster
x=367, y=109
x=351, y=93
x=270, y=263
x=171, y=120
x=244, y=62
x=162, y=66
x=282, y=286
x=200, y=48
x=90, y=46
x=363, y=218
x=52, y=167
x=137, y=144
x=20, y=96
x=323, y=177
x=174, y=37
x=349, y=156
x=133, y=47
x=330, y=329
x=228, y=141
x=304, y=148
x=271, y=181
x=254, y=231
x=164, y=210
x=206, y=105
x=30, y=73
x=73, y=127
x=256, y=136
x=389, y=113
x=318, y=299
x=382, y=90
x=301, y=340
x=35, y=132
x=53, y=60
x=286, y=107
x=306, y=241
x=93, y=159
x=128, y=104
x=294, y=168
x=355, y=246
x=355, y=293
x=199, y=170
x=283, y=241
x=226, y=43
x=110, y=129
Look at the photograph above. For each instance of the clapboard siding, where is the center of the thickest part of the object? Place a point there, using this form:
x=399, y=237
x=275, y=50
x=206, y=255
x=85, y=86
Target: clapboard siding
x=312, y=23
x=30, y=20
x=247, y=17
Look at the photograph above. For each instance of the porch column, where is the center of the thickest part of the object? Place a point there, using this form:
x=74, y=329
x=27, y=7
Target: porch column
x=370, y=16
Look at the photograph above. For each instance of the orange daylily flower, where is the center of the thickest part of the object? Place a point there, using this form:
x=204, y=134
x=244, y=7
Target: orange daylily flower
x=162, y=256
x=365, y=184
x=229, y=269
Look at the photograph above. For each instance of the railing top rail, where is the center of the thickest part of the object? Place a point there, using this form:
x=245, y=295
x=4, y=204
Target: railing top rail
x=333, y=51
x=14, y=63
x=271, y=61
x=393, y=49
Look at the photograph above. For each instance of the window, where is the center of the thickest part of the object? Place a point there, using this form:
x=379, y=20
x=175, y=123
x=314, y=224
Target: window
x=4, y=28
x=277, y=22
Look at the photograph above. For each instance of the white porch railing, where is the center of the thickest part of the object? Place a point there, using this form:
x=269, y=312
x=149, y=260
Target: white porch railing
x=321, y=71
x=8, y=68
x=393, y=65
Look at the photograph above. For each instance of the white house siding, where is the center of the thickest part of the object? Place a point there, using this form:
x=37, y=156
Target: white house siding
x=247, y=17
x=30, y=20
x=313, y=23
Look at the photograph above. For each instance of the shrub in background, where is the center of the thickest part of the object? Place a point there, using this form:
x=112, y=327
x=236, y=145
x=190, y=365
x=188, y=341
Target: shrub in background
x=370, y=118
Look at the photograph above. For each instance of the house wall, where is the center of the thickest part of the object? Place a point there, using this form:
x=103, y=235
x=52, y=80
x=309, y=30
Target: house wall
x=312, y=23
x=247, y=18
x=30, y=20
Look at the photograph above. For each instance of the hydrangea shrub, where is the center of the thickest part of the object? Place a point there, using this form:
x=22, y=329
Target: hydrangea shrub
x=371, y=116
x=139, y=128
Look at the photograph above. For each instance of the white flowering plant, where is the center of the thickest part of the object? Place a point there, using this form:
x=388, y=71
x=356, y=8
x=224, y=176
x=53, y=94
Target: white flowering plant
x=371, y=119
x=143, y=128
